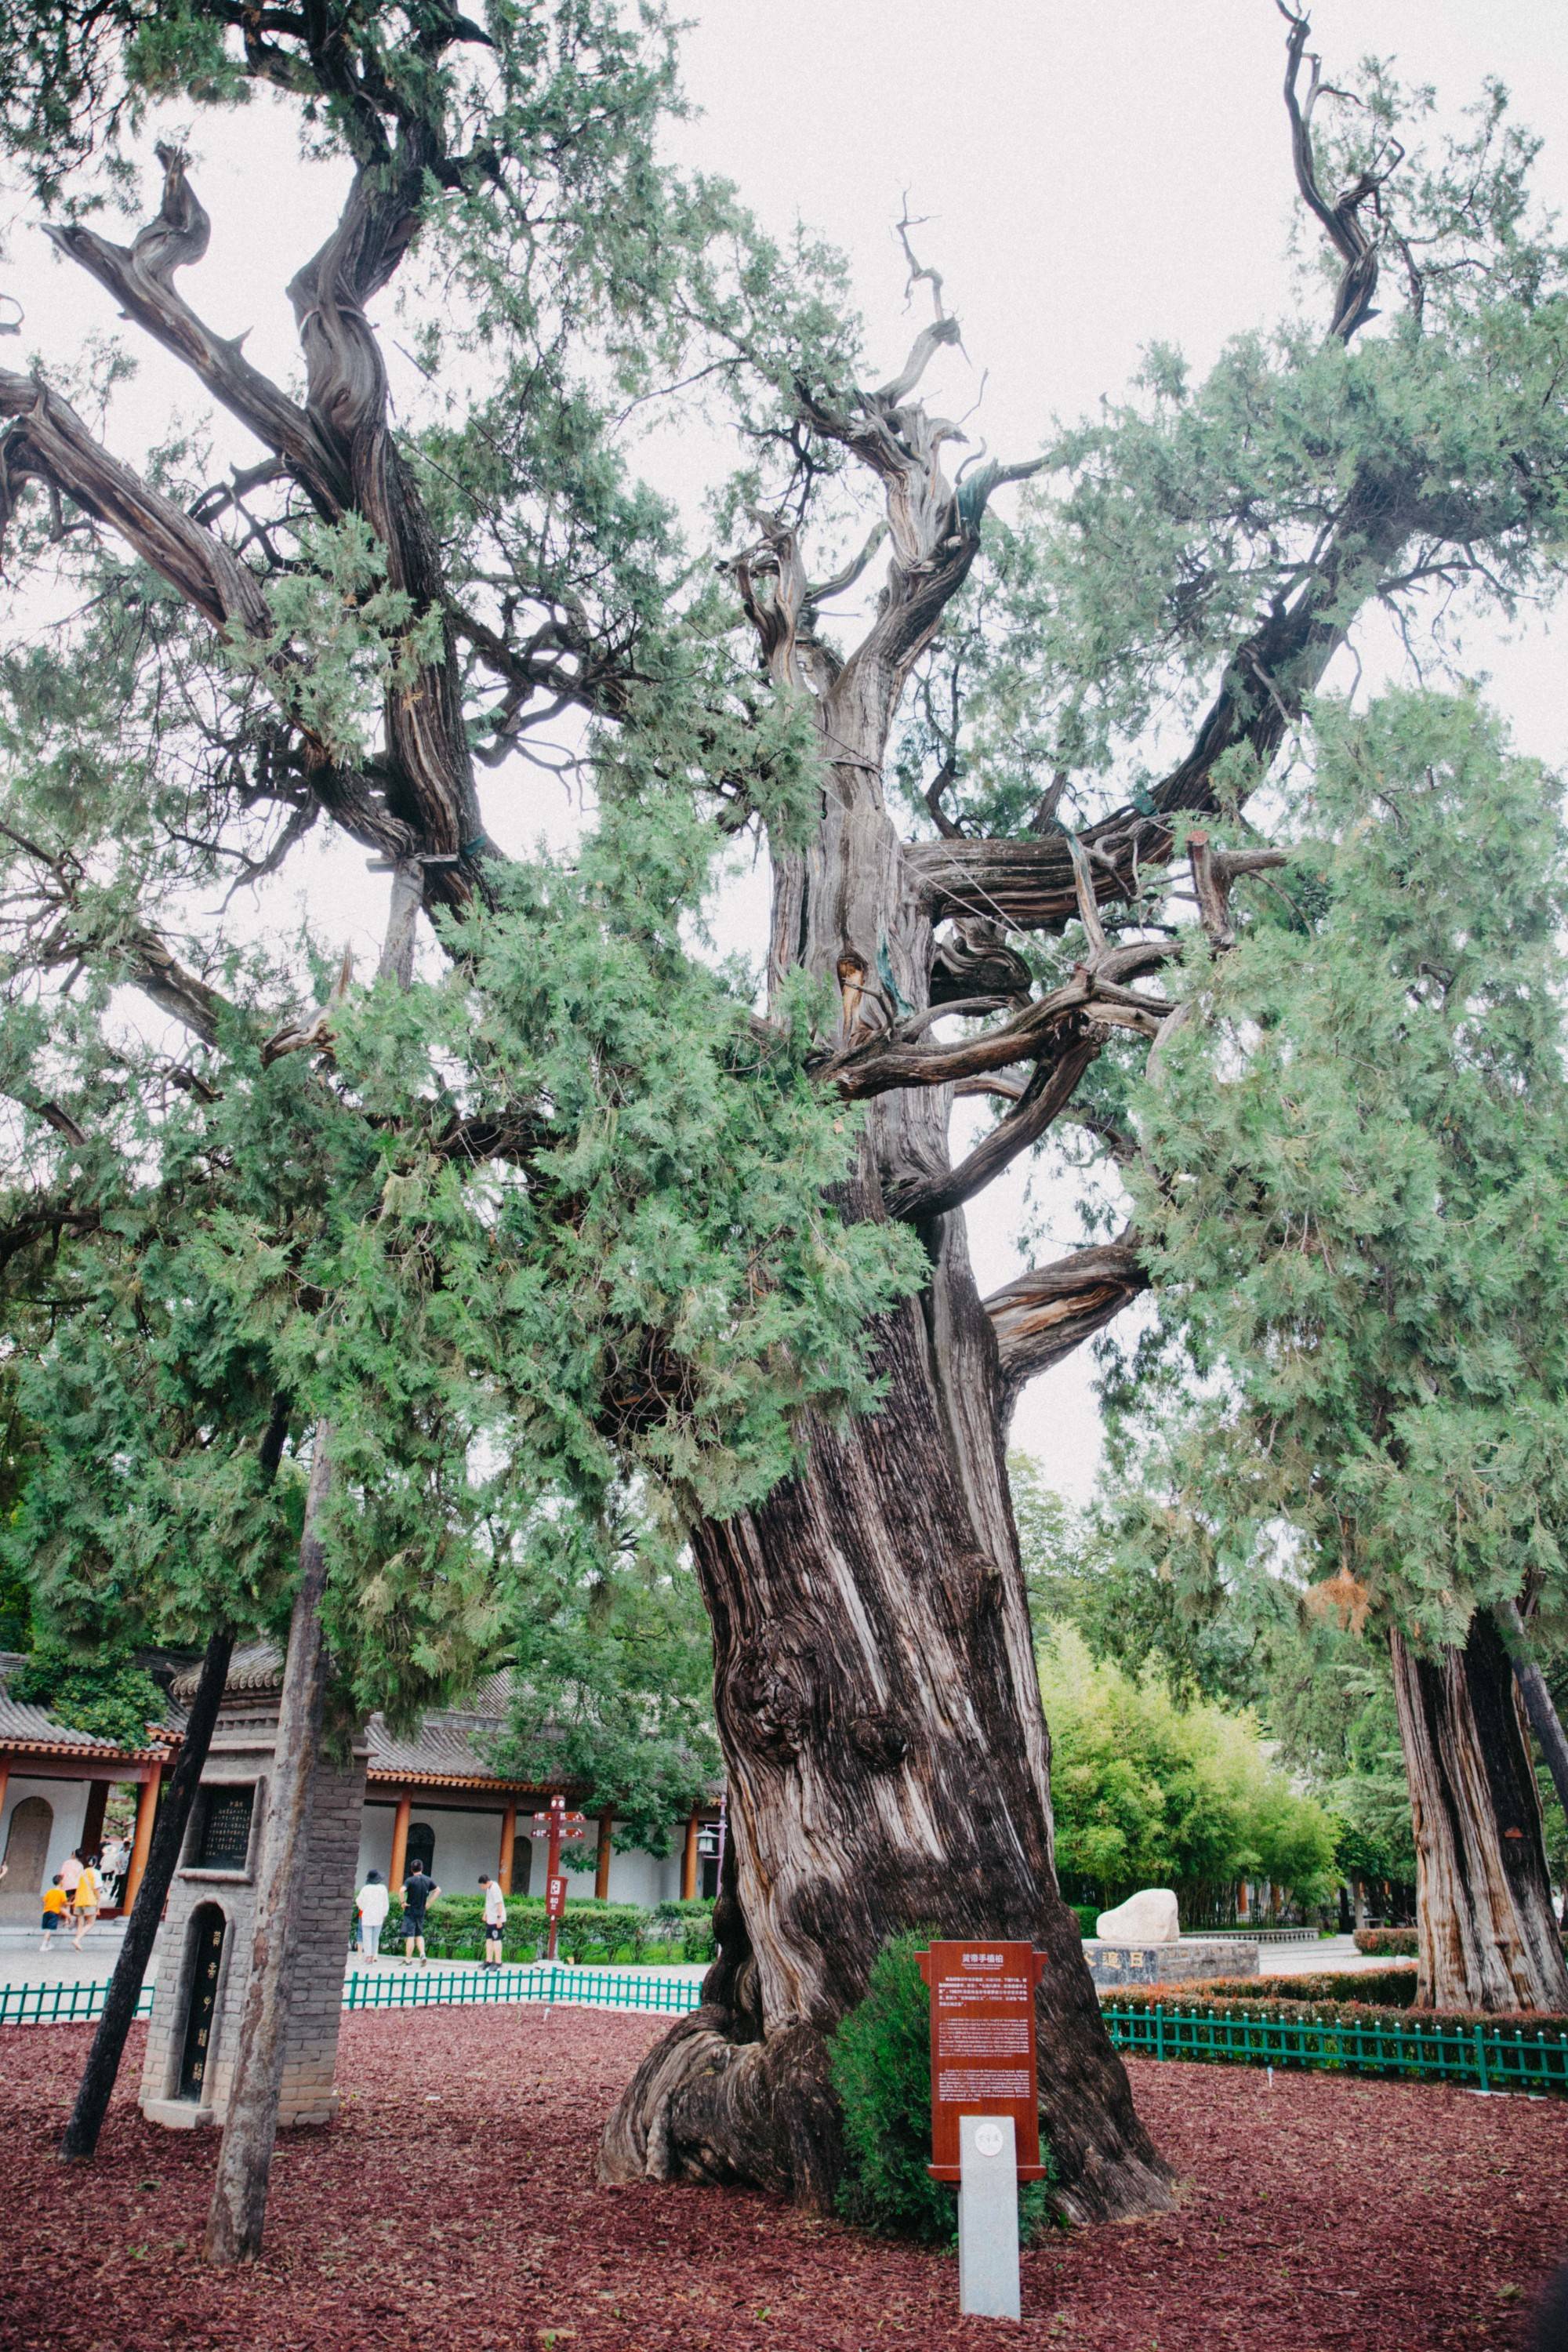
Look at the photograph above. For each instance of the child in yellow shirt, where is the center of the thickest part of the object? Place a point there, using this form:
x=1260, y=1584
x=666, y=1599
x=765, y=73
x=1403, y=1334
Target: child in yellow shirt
x=54, y=1911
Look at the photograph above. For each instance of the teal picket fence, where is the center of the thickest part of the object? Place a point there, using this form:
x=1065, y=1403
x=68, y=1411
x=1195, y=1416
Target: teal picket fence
x=1475, y=2057
x=60, y=2004
x=398, y=1986
x=404, y=1988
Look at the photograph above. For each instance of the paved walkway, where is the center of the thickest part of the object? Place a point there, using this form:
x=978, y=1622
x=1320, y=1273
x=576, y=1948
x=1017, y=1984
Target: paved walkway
x=1333, y=1952
x=23, y=1963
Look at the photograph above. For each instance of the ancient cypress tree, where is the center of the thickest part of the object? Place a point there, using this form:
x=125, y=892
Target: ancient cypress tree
x=1349, y=1196
x=365, y=612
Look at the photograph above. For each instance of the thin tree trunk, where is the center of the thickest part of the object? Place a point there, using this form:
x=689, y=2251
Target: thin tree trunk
x=239, y=2192
x=79, y=2137
x=1486, y=1934
x=1544, y=1720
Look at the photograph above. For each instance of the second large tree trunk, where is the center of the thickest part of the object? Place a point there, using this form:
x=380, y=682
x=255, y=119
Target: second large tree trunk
x=889, y=1767
x=1488, y=1938
x=238, y=2207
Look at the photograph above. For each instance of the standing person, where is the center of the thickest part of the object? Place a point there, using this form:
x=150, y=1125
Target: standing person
x=112, y=1865
x=373, y=1903
x=494, y=1918
x=419, y=1889
x=86, y=1903
x=70, y=1873
x=54, y=1911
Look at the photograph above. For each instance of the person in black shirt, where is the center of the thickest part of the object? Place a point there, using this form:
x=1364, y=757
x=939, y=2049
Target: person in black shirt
x=418, y=1889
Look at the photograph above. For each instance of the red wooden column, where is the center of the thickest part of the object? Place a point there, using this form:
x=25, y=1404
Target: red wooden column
x=400, y=1841
x=507, y=1841
x=602, y=1867
x=688, y=1861
x=141, y=1837
x=93, y=1820
x=4, y=1777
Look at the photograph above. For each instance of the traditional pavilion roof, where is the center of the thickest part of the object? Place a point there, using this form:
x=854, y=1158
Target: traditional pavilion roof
x=29, y=1731
x=450, y=1747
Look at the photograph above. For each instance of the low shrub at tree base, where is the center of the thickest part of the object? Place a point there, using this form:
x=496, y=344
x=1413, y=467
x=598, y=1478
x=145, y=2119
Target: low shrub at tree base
x=880, y=2059
x=1385, y=1941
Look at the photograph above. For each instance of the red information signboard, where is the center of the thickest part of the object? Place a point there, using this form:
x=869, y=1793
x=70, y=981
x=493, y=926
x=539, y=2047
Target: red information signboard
x=983, y=2047
x=554, y=1897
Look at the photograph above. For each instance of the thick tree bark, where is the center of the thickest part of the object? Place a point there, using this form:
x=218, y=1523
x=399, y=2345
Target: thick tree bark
x=238, y=2206
x=889, y=1767
x=1544, y=1720
x=1488, y=1938
x=79, y=2137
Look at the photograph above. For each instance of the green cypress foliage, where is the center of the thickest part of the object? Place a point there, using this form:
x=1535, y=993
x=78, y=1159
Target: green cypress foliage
x=1351, y=1184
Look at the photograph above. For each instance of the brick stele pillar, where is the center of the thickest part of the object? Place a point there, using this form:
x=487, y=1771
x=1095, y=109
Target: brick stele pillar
x=141, y=1838
x=602, y=1867
x=400, y=1842
x=688, y=1863
x=508, y=1840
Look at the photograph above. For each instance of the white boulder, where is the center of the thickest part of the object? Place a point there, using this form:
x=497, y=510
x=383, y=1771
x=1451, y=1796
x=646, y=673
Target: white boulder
x=1147, y=1918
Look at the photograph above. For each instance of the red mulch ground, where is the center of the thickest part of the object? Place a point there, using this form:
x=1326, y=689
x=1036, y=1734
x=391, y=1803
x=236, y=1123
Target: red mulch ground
x=454, y=2205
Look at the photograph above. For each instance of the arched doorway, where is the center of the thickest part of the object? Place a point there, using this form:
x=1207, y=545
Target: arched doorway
x=201, y=2001
x=27, y=1845
x=421, y=1853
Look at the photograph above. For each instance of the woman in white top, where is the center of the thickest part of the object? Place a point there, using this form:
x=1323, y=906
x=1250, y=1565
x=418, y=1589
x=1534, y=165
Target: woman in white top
x=371, y=1903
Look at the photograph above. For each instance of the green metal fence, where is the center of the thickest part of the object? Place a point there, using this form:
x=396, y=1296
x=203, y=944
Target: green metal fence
x=1478, y=2057
x=60, y=2004
x=398, y=1986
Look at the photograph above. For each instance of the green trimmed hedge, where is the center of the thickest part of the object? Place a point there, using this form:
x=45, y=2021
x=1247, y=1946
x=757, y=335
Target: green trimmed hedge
x=1233, y=1997
x=1386, y=1988
x=589, y=1931
x=1088, y=1917
x=1385, y=1941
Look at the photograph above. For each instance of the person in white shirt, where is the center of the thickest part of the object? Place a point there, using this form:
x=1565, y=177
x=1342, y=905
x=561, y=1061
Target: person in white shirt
x=495, y=1919
x=372, y=1906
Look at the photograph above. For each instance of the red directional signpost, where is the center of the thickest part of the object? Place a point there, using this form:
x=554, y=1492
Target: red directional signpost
x=557, y=1825
x=983, y=2047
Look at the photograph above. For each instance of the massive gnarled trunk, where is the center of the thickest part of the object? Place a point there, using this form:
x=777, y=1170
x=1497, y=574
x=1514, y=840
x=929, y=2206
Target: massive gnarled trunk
x=1489, y=1938
x=889, y=1767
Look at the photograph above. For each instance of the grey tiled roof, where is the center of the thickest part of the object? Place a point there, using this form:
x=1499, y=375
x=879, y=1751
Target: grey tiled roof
x=23, y=1724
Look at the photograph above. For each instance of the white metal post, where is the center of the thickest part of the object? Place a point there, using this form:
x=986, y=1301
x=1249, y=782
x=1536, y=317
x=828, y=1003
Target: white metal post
x=988, y=2218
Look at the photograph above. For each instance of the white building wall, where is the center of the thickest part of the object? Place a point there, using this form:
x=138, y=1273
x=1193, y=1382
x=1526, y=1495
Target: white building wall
x=468, y=1842
x=67, y=1801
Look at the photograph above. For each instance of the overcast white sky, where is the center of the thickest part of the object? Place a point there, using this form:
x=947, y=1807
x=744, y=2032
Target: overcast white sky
x=1096, y=174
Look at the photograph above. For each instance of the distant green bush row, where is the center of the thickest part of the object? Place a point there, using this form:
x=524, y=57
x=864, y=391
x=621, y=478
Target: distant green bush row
x=1386, y=1988
x=589, y=1931
x=1386, y=1941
